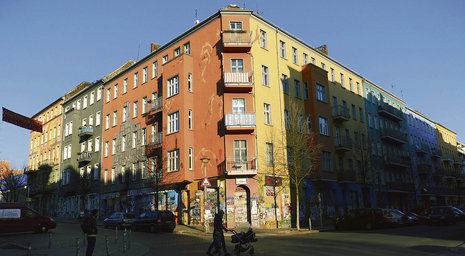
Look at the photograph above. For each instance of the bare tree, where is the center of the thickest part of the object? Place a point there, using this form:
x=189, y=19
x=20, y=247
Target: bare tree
x=303, y=150
x=11, y=183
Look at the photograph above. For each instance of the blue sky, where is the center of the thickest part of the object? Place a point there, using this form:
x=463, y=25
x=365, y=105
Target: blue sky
x=414, y=48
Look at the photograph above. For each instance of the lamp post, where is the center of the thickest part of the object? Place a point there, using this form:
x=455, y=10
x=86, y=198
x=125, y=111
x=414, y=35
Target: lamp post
x=205, y=162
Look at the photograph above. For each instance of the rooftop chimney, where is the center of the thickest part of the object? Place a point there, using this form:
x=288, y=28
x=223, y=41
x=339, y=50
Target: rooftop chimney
x=154, y=47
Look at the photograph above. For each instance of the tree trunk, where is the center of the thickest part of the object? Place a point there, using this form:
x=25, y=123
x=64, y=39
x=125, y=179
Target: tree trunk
x=275, y=206
x=297, y=210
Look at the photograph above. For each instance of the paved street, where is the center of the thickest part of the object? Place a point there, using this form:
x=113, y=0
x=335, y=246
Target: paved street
x=417, y=240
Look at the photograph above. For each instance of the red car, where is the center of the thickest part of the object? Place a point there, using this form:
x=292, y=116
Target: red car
x=15, y=217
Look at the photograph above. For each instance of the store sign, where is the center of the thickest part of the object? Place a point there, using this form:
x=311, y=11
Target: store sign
x=21, y=121
x=241, y=181
x=273, y=181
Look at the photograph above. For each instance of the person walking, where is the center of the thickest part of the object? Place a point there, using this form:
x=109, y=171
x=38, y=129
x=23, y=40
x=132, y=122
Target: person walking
x=89, y=226
x=218, y=236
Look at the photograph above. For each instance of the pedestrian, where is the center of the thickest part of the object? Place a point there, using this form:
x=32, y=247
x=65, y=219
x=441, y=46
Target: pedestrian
x=89, y=226
x=218, y=236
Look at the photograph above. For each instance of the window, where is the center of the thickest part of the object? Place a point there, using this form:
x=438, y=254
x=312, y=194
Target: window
x=123, y=143
x=295, y=55
x=306, y=91
x=106, y=149
x=115, y=91
x=238, y=105
x=108, y=94
x=370, y=121
x=324, y=125
x=240, y=152
x=96, y=171
x=305, y=57
x=143, y=170
x=91, y=120
x=172, y=86
x=263, y=39
x=358, y=88
x=237, y=66
x=78, y=105
x=321, y=92
x=333, y=79
x=144, y=105
x=89, y=145
x=269, y=154
x=136, y=80
x=326, y=161
x=342, y=80
x=154, y=69
x=282, y=49
x=134, y=139
x=285, y=81
x=164, y=59
x=97, y=144
x=173, y=122
x=91, y=100
x=313, y=61
x=354, y=112
x=235, y=25
x=287, y=120
x=99, y=93
x=323, y=66
x=107, y=121
x=115, y=118
x=298, y=93
x=173, y=160
x=84, y=123
x=125, y=85
x=143, y=138
x=191, y=158
x=125, y=112
x=134, y=109
x=351, y=84
x=145, y=71
x=267, y=110
x=309, y=124
x=190, y=119
x=265, y=76
x=187, y=48
x=113, y=175
x=360, y=110
x=113, y=146
x=177, y=52
x=105, y=177
x=190, y=81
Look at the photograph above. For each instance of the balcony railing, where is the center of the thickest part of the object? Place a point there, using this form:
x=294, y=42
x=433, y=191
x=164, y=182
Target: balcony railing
x=341, y=113
x=155, y=141
x=393, y=135
x=155, y=107
x=237, y=39
x=86, y=130
x=400, y=186
x=436, y=153
x=347, y=175
x=238, y=81
x=156, y=104
x=240, y=121
x=448, y=158
x=84, y=156
x=396, y=161
x=422, y=148
x=241, y=166
x=390, y=111
x=343, y=144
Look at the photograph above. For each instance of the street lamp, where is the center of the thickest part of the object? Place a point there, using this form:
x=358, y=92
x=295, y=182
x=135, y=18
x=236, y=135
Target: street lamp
x=205, y=162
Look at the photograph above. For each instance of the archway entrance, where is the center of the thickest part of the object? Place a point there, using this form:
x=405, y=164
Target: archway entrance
x=242, y=205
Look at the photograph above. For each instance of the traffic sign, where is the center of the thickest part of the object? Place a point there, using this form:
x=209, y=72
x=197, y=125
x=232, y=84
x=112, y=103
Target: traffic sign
x=205, y=183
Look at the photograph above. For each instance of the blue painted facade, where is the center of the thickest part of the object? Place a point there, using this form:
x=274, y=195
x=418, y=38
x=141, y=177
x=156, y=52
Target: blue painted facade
x=425, y=159
x=389, y=148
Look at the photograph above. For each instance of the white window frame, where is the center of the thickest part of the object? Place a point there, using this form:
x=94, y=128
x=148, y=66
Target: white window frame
x=99, y=94
x=97, y=144
x=144, y=105
x=172, y=86
x=164, y=59
x=145, y=74
x=172, y=160
x=106, y=149
x=154, y=69
x=115, y=118
x=173, y=122
x=113, y=146
x=136, y=80
x=265, y=75
x=324, y=125
x=135, y=109
x=190, y=117
x=295, y=56
x=125, y=85
x=191, y=158
x=282, y=49
x=267, y=113
x=190, y=82
x=108, y=94
x=263, y=39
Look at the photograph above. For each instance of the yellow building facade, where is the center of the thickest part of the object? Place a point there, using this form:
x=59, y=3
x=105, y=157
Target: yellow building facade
x=447, y=143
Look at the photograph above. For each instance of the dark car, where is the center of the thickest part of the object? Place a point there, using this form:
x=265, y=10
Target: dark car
x=363, y=218
x=155, y=221
x=459, y=214
x=120, y=220
x=396, y=218
x=442, y=215
x=16, y=217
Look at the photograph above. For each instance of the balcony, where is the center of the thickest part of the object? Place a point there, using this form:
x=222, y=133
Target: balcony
x=424, y=167
x=84, y=157
x=391, y=112
x=436, y=153
x=422, y=149
x=343, y=144
x=393, y=135
x=237, y=40
x=439, y=172
x=241, y=167
x=396, y=161
x=341, y=113
x=240, y=122
x=155, y=107
x=450, y=173
x=347, y=175
x=86, y=131
x=155, y=142
x=400, y=187
x=237, y=81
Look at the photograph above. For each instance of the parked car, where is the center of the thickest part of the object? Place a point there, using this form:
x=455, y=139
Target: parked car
x=395, y=218
x=459, y=214
x=15, y=217
x=363, y=218
x=155, y=221
x=120, y=220
x=442, y=215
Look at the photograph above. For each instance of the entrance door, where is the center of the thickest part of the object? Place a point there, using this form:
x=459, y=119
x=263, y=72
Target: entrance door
x=241, y=201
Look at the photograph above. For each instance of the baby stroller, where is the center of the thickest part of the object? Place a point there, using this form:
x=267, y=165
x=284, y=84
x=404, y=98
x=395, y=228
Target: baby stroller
x=243, y=242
